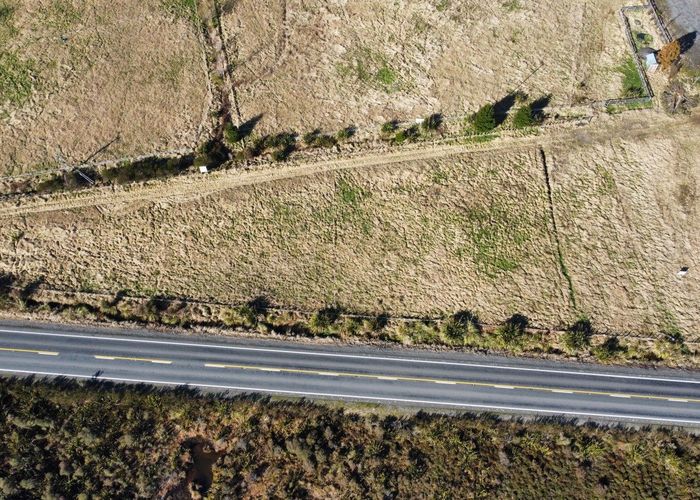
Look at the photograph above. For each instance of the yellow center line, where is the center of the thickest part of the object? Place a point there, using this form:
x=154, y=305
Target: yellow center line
x=450, y=382
x=144, y=360
x=31, y=351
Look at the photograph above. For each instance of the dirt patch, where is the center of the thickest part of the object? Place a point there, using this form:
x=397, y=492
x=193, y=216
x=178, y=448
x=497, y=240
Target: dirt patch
x=200, y=473
x=308, y=64
x=104, y=81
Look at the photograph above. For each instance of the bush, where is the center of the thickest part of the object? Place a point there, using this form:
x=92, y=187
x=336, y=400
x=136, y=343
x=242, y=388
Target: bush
x=409, y=134
x=459, y=327
x=148, y=168
x=389, y=127
x=345, y=133
x=579, y=335
x=232, y=134
x=524, y=117
x=432, y=122
x=322, y=321
x=512, y=331
x=240, y=316
x=309, y=138
x=608, y=349
x=484, y=120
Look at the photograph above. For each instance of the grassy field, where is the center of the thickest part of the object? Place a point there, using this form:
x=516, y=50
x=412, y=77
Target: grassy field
x=59, y=441
x=363, y=63
x=429, y=237
x=628, y=218
x=77, y=76
x=414, y=238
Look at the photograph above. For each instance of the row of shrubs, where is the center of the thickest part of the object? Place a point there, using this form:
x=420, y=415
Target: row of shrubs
x=463, y=329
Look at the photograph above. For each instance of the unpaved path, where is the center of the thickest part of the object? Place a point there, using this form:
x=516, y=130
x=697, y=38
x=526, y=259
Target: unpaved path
x=191, y=187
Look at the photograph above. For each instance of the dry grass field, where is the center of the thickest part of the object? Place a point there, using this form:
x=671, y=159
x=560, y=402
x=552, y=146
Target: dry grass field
x=464, y=231
x=82, y=74
x=303, y=64
x=436, y=235
x=628, y=215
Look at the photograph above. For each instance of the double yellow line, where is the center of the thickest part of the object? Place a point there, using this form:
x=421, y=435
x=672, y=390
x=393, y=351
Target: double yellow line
x=451, y=382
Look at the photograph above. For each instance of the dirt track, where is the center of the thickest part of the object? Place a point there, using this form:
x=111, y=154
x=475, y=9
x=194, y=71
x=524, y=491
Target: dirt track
x=187, y=188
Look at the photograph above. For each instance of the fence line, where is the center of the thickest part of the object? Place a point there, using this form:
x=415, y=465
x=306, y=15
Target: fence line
x=659, y=21
x=633, y=48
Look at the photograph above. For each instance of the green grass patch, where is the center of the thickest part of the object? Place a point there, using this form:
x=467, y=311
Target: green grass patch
x=182, y=9
x=16, y=79
x=631, y=106
x=632, y=85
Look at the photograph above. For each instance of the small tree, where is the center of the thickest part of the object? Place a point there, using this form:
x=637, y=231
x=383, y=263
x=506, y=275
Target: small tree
x=484, y=120
x=669, y=54
x=432, y=122
x=389, y=127
x=579, y=335
x=524, y=117
x=232, y=134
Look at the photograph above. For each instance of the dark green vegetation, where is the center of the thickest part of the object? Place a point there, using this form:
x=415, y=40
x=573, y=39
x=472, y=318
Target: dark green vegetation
x=58, y=441
x=524, y=117
x=484, y=120
x=632, y=85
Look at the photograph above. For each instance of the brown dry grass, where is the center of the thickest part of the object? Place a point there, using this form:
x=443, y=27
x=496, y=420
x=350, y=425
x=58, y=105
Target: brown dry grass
x=101, y=70
x=452, y=230
x=307, y=64
x=412, y=238
x=628, y=214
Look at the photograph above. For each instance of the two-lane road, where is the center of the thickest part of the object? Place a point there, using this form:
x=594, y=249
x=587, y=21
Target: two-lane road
x=391, y=376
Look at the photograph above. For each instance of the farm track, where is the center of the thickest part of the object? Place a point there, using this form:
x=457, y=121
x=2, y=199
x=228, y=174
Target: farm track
x=191, y=187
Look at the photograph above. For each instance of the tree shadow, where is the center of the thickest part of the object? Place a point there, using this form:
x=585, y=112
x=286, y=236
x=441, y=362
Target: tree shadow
x=687, y=41
x=246, y=128
x=502, y=107
x=518, y=321
x=260, y=305
x=539, y=105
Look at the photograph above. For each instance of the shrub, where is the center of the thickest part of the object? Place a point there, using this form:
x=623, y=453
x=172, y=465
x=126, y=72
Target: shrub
x=239, y=316
x=325, y=141
x=579, y=335
x=460, y=326
x=345, y=133
x=232, y=134
x=512, y=331
x=321, y=321
x=309, y=138
x=51, y=185
x=432, y=122
x=608, y=349
x=389, y=127
x=409, y=134
x=484, y=120
x=524, y=117
x=148, y=168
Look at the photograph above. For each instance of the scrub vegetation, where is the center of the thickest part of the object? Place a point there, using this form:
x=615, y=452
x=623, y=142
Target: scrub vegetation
x=59, y=442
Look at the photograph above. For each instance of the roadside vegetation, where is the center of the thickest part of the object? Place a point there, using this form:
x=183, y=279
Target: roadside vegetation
x=461, y=330
x=59, y=442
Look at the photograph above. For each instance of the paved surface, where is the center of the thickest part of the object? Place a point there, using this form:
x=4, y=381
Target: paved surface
x=683, y=17
x=389, y=376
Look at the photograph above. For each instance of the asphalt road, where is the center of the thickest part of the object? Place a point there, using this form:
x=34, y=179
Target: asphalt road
x=398, y=377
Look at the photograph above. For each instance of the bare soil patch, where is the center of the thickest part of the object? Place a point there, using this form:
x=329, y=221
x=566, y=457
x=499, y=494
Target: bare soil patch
x=104, y=80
